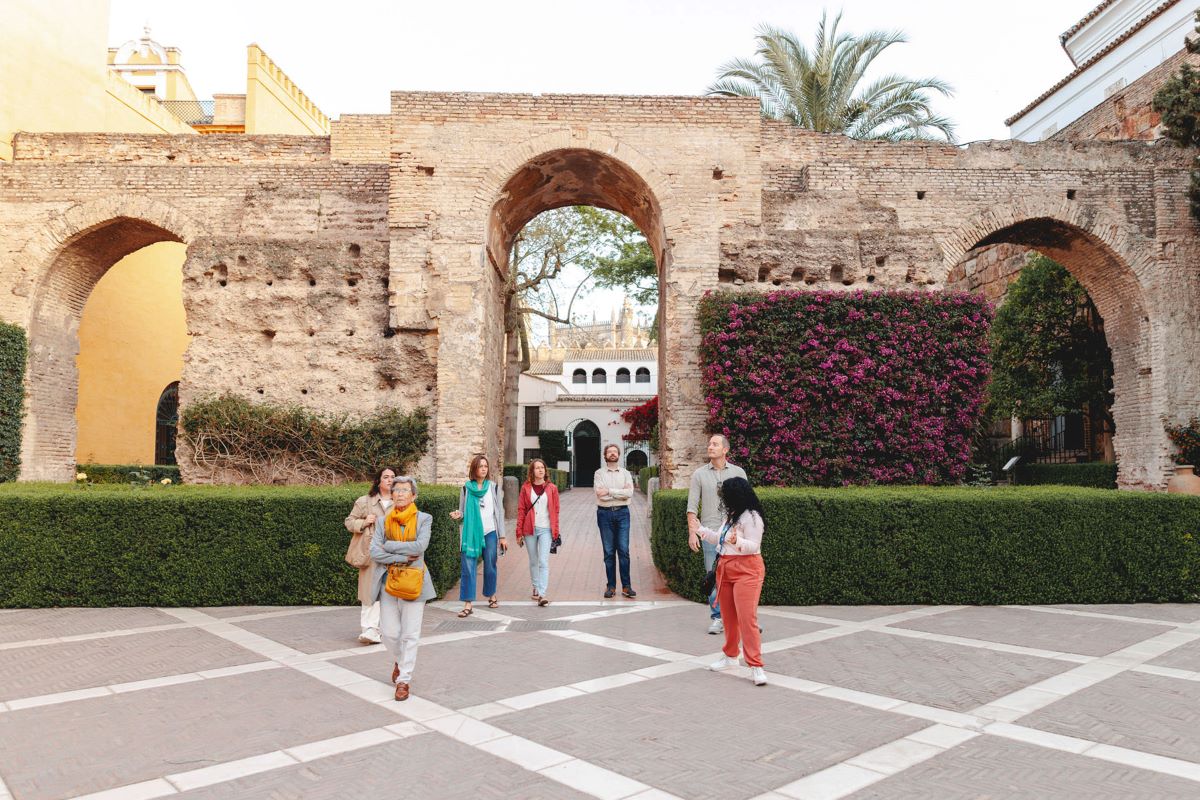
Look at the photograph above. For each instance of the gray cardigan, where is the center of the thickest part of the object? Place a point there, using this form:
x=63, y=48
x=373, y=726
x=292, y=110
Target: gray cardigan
x=497, y=506
x=384, y=552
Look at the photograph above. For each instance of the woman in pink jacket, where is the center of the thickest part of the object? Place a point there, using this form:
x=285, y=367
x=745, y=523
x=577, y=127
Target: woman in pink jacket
x=537, y=525
x=740, y=573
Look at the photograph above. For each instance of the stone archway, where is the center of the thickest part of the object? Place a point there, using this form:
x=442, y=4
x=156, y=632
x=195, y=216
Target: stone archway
x=1093, y=255
x=550, y=179
x=58, y=297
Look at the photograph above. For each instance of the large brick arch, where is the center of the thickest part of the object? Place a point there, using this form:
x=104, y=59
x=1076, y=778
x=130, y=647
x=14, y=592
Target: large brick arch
x=1106, y=258
x=79, y=246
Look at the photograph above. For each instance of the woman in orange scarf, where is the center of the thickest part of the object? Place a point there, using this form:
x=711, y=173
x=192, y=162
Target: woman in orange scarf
x=401, y=539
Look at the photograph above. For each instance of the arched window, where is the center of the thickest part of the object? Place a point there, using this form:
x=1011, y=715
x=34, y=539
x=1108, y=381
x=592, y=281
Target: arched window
x=599, y=376
x=579, y=376
x=166, y=420
x=622, y=375
x=643, y=375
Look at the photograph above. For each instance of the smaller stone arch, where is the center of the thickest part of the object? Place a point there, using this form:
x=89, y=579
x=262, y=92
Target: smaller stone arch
x=78, y=246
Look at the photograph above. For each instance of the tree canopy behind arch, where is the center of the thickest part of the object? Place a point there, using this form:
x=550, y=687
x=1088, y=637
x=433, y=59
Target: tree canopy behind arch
x=822, y=89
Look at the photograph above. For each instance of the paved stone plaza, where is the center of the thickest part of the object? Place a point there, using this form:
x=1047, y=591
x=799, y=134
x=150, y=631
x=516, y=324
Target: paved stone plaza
x=608, y=700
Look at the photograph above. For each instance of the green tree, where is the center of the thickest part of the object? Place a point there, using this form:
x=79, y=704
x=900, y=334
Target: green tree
x=1049, y=355
x=820, y=89
x=1179, y=103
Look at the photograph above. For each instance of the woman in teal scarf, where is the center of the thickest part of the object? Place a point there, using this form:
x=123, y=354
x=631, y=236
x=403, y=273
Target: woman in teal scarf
x=482, y=514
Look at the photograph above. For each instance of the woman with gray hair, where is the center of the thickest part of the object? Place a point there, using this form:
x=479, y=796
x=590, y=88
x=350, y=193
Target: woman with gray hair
x=402, y=582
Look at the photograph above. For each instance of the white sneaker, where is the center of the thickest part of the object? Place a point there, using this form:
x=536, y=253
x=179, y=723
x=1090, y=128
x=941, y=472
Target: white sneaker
x=716, y=626
x=724, y=662
x=758, y=676
x=369, y=636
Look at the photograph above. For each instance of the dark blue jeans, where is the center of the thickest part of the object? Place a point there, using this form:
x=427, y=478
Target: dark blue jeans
x=470, y=567
x=614, y=535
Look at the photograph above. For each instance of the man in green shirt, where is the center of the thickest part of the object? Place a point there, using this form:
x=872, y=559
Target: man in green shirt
x=705, y=508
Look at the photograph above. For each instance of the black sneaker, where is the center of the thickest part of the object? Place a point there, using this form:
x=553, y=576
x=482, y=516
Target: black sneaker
x=630, y=593
x=610, y=592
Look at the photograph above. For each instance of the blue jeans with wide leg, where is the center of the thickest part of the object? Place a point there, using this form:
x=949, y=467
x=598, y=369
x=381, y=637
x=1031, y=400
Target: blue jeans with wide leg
x=466, y=582
x=614, y=535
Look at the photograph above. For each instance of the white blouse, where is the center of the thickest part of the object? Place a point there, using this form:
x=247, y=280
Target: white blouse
x=487, y=512
x=749, y=529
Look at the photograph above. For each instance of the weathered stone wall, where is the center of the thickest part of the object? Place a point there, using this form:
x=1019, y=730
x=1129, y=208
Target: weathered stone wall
x=366, y=269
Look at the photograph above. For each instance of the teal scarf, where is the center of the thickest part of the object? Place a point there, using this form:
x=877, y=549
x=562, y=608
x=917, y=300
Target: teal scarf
x=472, y=530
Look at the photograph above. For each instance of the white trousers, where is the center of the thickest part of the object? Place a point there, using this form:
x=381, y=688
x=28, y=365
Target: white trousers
x=368, y=618
x=400, y=628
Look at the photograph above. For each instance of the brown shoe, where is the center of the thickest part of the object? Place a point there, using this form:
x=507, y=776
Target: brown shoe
x=401, y=691
x=395, y=672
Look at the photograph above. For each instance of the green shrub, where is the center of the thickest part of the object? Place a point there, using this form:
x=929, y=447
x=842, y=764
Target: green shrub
x=128, y=473
x=269, y=443
x=1186, y=439
x=13, y=352
x=1096, y=475
x=560, y=478
x=957, y=545
x=192, y=545
x=644, y=476
x=553, y=445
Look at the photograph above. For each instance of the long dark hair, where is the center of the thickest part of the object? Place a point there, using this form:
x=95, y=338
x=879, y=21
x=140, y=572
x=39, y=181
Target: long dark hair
x=738, y=497
x=378, y=477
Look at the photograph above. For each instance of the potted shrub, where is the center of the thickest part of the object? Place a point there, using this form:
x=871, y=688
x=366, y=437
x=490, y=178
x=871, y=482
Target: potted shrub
x=1186, y=439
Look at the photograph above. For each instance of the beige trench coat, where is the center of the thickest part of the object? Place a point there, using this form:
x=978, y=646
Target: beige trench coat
x=356, y=523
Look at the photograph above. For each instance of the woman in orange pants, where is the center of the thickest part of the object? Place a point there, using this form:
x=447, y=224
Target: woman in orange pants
x=740, y=574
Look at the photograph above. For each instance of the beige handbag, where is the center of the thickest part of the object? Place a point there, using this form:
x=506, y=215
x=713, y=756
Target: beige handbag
x=358, y=553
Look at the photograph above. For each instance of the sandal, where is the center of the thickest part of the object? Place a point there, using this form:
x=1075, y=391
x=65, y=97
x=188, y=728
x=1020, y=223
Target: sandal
x=493, y=603
x=543, y=601
x=466, y=612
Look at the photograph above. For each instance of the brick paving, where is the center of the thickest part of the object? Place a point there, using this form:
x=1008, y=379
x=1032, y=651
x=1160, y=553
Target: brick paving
x=603, y=699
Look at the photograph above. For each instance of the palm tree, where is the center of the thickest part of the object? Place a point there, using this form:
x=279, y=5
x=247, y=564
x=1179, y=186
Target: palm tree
x=819, y=89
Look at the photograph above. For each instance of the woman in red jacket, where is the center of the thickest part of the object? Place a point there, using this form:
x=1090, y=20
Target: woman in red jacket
x=537, y=525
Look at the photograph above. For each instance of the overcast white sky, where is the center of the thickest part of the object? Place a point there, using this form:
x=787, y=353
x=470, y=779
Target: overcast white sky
x=347, y=55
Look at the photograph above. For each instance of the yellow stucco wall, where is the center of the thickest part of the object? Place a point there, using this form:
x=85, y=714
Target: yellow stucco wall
x=131, y=342
x=274, y=104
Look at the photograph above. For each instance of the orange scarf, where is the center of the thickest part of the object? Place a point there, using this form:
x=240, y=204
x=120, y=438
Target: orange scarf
x=399, y=525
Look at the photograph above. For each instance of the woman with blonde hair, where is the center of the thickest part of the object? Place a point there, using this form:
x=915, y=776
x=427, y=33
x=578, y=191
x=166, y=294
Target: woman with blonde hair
x=481, y=511
x=368, y=510
x=402, y=582
x=537, y=525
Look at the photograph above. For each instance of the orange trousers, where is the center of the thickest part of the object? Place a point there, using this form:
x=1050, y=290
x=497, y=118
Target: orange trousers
x=739, y=584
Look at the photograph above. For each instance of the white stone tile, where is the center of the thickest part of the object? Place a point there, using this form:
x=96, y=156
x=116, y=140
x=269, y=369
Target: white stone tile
x=659, y=794
x=594, y=780
x=1136, y=758
x=465, y=729
x=607, y=682
x=240, y=669
x=58, y=697
x=895, y=756
x=331, y=674
x=955, y=719
x=154, y=683
x=371, y=691
x=230, y=770
x=418, y=709
x=832, y=783
x=797, y=684
x=486, y=711
x=663, y=670
x=1080, y=677
x=1026, y=700
x=943, y=736
x=524, y=701
x=189, y=615
x=1168, y=672
x=407, y=729
x=1054, y=741
x=340, y=744
x=524, y=753
x=1000, y=713
x=860, y=698
x=146, y=790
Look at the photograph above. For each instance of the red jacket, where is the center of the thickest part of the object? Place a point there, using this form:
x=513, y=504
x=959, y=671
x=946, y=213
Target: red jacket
x=525, y=513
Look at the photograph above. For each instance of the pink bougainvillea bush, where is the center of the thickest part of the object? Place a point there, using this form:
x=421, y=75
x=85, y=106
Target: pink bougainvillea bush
x=837, y=388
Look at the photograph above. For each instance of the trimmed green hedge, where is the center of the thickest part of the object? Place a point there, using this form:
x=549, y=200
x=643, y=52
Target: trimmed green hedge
x=1096, y=475
x=123, y=473
x=192, y=545
x=644, y=476
x=13, y=352
x=957, y=545
x=560, y=478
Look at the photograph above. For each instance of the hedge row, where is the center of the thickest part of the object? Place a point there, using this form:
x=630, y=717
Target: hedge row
x=560, y=478
x=1096, y=475
x=192, y=545
x=126, y=473
x=12, y=398
x=644, y=476
x=957, y=545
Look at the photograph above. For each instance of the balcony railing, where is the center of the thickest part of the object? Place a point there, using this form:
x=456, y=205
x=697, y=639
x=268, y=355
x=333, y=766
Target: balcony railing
x=192, y=112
